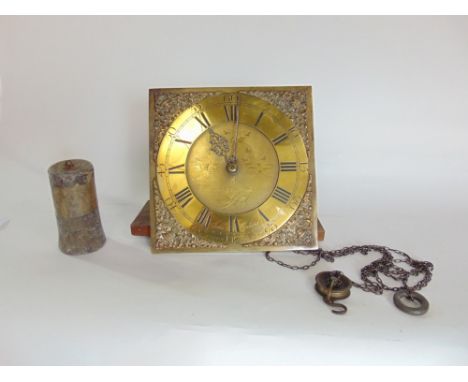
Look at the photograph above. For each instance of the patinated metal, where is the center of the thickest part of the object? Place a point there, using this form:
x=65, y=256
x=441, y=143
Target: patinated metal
x=141, y=225
x=76, y=208
x=333, y=286
x=412, y=303
x=389, y=265
x=232, y=169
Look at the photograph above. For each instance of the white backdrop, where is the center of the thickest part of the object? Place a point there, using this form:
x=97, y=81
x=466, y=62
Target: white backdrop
x=391, y=126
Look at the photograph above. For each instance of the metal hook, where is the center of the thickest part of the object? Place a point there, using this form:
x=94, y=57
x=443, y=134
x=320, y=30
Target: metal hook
x=342, y=308
x=333, y=286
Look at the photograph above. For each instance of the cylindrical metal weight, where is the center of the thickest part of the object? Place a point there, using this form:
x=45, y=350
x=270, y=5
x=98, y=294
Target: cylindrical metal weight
x=76, y=208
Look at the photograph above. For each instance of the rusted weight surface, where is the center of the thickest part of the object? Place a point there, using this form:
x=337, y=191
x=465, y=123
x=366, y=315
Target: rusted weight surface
x=76, y=207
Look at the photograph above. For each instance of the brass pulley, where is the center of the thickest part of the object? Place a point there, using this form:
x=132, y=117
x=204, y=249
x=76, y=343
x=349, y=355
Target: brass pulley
x=333, y=286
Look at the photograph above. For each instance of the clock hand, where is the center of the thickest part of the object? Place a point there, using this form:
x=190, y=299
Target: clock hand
x=236, y=132
x=231, y=165
x=218, y=144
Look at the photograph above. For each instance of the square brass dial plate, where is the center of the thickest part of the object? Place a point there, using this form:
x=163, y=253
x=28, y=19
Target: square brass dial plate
x=179, y=220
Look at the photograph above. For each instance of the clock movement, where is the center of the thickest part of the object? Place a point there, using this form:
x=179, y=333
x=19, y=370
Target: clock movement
x=232, y=169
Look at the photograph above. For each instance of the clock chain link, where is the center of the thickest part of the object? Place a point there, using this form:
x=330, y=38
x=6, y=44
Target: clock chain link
x=386, y=265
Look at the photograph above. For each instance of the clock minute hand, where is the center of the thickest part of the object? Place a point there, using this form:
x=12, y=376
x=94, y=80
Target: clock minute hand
x=232, y=166
x=236, y=133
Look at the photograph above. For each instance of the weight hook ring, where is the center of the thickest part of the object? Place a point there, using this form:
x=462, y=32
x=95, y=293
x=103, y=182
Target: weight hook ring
x=401, y=297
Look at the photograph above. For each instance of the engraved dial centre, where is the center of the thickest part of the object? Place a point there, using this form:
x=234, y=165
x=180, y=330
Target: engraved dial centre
x=244, y=188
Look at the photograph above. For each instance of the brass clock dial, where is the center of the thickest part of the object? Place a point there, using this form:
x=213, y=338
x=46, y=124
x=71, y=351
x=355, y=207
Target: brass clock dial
x=232, y=168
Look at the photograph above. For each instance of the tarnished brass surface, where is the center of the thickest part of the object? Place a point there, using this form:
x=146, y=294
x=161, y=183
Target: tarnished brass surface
x=74, y=195
x=335, y=290
x=232, y=169
x=141, y=224
x=333, y=286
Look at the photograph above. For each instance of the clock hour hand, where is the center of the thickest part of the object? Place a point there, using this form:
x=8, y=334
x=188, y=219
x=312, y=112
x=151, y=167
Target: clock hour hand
x=218, y=144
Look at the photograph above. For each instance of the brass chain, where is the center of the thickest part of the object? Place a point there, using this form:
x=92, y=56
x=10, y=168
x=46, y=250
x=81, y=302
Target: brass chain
x=386, y=265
